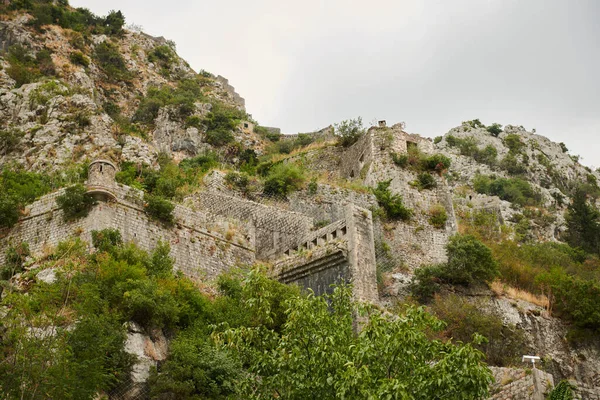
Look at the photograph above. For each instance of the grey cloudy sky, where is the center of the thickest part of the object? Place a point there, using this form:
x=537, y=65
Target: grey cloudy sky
x=305, y=64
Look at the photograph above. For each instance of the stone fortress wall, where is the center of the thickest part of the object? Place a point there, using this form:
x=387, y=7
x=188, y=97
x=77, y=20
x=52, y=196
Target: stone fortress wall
x=369, y=160
x=237, y=99
x=202, y=244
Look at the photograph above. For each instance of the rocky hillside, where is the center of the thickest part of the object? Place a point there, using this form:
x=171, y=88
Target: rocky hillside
x=494, y=229
x=70, y=93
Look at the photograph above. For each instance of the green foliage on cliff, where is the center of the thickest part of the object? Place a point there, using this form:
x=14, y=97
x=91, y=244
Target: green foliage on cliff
x=108, y=57
x=515, y=190
x=505, y=344
x=392, y=204
x=583, y=224
x=349, y=131
x=283, y=179
x=59, y=13
x=159, y=208
x=27, y=66
x=75, y=202
x=66, y=339
x=469, y=262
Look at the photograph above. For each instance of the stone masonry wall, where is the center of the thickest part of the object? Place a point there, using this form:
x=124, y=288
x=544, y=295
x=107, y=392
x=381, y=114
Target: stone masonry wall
x=341, y=251
x=276, y=230
x=202, y=245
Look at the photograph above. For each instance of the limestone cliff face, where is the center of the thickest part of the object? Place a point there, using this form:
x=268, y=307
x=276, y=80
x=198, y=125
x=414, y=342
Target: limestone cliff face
x=62, y=118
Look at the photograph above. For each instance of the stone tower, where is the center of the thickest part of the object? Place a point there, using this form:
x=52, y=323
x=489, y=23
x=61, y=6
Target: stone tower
x=101, y=179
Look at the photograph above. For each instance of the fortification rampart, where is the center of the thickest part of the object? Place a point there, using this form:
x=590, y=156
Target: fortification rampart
x=326, y=133
x=237, y=99
x=275, y=230
x=203, y=245
x=340, y=252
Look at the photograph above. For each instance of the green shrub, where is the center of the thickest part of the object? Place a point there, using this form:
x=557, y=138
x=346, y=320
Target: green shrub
x=9, y=210
x=391, y=203
x=438, y=216
x=469, y=261
x=25, y=68
x=475, y=123
x=486, y=156
x=575, y=299
x=583, y=223
x=240, y=181
x=514, y=143
x=425, y=181
x=106, y=239
x=75, y=202
x=562, y=391
x=78, y=58
x=10, y=139
x=436, y=162
x=437, y=139
x=14, y=260
x=495, y=129
x=467, y=146
x=109, y=59
x=219, y=137
x=400, y=160
x=349, y=131
x=220, y=123
x=511, y=164
x=515, y=190
x=159, y=208
x=505, y=343
x=283, y=179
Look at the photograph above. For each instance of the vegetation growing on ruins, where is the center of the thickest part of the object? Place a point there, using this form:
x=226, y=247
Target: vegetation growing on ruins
x=349, y=131
x=214, y=351
x=75, y=202
x=391, y=203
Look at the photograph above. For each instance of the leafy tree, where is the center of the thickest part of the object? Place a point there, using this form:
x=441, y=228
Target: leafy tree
x=115, y=20
x=469, y=260
x=583, y=225
x=562, y=391
x=319, y=354
x=494, y=129
x=75, y=202
x=349, y=131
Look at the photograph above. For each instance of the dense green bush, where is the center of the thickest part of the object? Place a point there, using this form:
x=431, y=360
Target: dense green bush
x=20, y=188
x=349, y=131
x=418, y=161
x=75, y=202
x=283, y=179
x=391, y=203
x=108, y=57
x=159, y=208
x=515, y=190
x=583, y=224
x=575, y=298
x=494, y=129
x=78, y=58
x=486, y=156
x=438, y=216
x=505, y=344
x=467, y=146
x=469, y=261
x=425, y=181
x=220, y=123
x=106, y=239
x=10, y=139
x=163, y=56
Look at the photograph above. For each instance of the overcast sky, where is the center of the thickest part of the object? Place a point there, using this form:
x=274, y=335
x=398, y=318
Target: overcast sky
x=302, y=65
